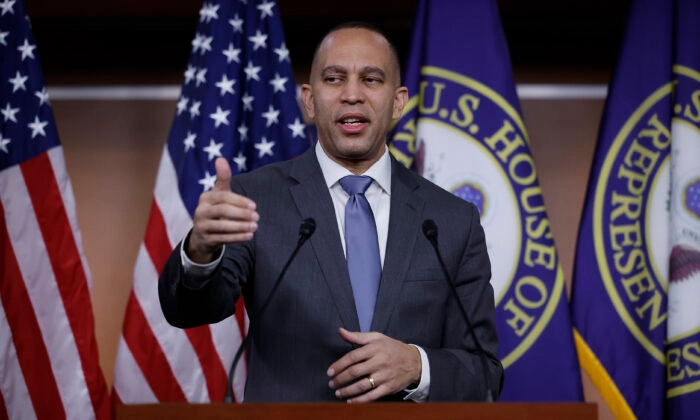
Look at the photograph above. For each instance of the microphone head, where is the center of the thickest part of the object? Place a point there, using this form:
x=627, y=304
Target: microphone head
x=430, y=229
x=307, y=228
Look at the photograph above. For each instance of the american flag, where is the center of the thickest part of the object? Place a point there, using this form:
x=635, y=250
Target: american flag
x=49, y=365
x=238, y=100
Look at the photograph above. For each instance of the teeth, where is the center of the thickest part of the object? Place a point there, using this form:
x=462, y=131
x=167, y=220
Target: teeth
x=351, y=121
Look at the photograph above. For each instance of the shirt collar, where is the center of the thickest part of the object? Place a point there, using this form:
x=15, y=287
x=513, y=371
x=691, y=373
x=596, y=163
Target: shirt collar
x=380, y=171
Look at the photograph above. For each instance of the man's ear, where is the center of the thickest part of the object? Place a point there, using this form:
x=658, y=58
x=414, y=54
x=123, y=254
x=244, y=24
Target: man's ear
x=400, y=100
x=307, y=97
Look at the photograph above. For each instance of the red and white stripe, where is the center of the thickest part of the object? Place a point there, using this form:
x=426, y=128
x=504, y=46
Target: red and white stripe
x=155, y=361
x=47, y=335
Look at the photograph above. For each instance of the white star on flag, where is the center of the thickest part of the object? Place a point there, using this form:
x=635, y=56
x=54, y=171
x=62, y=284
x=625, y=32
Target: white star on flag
x=237, y=23
x=208, y=181
x=243, y=132
x=282, y=53
x=247, y=102
x=220, y=117
x=197, y=42
x=43, y=96
x=264, y=147
x=3, y=35
x=182, y=105
x=240, y=162
x=251, y=71
x=189, y=74
x=194, y=109
x=297, y=128
x=232, y=53
x=225, y=85
x=27, y=50
x=265, y=9
x=208, y=12
x=200, y=78
x=202, y=43
x=38, y=127
x=213, y=150
x=6, y=7
x=259, y=40
x=206, y=44
x=278, y=83
x=5, y=142
x=271, y=116
x=9, y=113
x=18, y=82
x=189, y=141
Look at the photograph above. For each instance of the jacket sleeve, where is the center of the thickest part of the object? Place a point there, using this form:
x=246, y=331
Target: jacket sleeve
x=190, y=301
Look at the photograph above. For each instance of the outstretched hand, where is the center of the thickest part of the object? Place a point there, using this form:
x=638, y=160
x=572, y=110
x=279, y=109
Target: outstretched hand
x=392, y=366
x=221, y=216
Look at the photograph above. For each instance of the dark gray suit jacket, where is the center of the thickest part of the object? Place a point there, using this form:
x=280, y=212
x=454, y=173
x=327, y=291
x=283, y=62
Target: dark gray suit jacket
x=297, y=336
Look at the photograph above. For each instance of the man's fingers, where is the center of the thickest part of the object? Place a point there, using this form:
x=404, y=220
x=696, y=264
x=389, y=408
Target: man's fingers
x=210, y=199
x=348, y=336
x=362, y=390
x=230, y=238
x=353, y=365
x=221, y=217
x=391, y=364
x=221, y=192
x=223, y=175
x=226, y=227
x=358, y=338
x=361, y=353
x=227, y=210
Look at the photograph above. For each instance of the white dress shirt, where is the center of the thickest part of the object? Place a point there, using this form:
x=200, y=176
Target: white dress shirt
x=378, y=195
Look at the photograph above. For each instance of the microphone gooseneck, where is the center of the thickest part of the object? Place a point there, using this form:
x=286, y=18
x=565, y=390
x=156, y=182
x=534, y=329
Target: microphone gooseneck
x=430, y=231
x=306, y=229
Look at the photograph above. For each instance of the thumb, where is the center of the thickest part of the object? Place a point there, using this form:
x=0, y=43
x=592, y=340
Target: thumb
x=223, y=175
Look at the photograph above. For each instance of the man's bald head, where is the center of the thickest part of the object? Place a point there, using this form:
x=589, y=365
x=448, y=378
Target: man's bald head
x=369, y=27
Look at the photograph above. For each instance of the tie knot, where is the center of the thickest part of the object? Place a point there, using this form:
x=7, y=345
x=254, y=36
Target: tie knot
x=355, y=184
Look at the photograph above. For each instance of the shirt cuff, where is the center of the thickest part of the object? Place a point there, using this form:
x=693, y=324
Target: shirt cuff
x=420, y=393
x=195, y=269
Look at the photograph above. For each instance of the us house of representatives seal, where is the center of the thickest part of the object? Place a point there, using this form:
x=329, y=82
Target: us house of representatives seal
x=446, y=137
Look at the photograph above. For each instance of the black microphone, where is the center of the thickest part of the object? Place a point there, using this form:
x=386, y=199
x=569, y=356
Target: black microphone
x=307, y=228
x=430, y=231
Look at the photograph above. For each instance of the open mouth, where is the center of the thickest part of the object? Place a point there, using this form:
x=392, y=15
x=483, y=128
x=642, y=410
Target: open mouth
x=353, y=123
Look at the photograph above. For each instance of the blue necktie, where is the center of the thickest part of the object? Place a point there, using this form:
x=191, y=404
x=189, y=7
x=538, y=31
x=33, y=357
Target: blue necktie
x=362, y=248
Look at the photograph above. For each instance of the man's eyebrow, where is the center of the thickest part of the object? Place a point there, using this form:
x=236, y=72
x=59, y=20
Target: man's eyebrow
x=374, y=70
x=333, y=69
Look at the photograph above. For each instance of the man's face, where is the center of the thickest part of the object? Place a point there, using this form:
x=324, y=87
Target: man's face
x=353, y=96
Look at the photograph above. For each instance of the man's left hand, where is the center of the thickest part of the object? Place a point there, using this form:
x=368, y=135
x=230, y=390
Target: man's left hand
x=379, y=366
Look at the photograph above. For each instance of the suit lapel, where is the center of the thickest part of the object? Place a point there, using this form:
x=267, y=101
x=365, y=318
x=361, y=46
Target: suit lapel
x=404, y=226
x=313, y=199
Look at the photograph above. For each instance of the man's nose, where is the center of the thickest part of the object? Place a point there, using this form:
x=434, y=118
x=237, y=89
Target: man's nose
x=352, y=91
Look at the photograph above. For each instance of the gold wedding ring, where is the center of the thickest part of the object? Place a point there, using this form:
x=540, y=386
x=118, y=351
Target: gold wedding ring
x=371, y=382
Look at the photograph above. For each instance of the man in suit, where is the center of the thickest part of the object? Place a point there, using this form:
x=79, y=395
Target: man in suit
x=316, y=340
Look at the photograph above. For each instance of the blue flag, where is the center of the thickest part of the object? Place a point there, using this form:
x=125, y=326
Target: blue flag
x=637, y=274
x=462, y=129
x=238, y=100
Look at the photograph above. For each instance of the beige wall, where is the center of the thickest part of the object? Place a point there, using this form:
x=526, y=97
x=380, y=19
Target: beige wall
x=112, y=151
